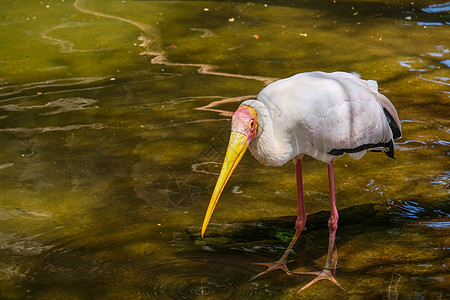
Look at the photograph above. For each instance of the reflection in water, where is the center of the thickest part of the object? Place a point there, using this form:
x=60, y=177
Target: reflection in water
x=20, y=245
x=410, y=145
x=393, y=287
x=63, y=105
x=198, y=274
x=108, y=156
x=443, y=179
x=48, y=87
x=430, y=61
x=437, y=8
x=51, y=128
x=214, y=104
x=408, y=211
x=181, y=192
x=439, y=225
x=440, y=80
x=150, y=41
x=186, y=275
x=67, y=46
x=7, y=165
x=206, y=32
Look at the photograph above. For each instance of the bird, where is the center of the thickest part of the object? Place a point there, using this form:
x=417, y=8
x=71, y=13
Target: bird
x=318, y=114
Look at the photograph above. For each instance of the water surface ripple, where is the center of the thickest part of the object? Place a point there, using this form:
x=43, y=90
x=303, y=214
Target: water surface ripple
x=114, y=121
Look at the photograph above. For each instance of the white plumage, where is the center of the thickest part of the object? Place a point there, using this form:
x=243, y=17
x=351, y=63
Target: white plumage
x=313, y=113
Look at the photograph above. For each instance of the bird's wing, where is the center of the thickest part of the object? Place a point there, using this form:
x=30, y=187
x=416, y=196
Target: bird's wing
x=318, y=112
x=347, y=118
x=352, y=126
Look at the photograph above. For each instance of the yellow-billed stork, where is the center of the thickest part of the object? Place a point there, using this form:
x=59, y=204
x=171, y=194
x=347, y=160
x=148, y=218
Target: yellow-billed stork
x=323, y=115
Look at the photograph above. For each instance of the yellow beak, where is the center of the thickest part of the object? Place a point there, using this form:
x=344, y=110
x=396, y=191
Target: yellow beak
x=236, y=149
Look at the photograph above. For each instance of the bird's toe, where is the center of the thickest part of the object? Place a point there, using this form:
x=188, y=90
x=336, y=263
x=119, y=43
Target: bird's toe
x=280, y=264
x=324, y=274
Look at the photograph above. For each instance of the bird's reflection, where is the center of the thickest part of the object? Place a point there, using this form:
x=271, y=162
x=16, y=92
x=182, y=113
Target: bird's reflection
x=329, y=270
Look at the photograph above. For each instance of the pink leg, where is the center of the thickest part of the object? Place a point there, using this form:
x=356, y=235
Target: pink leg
x=331, y=262
x=299, y=226
x=334, y=216
x=301, y=214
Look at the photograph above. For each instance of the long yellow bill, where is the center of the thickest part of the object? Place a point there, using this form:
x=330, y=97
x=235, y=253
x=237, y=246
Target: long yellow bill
x=236, y=149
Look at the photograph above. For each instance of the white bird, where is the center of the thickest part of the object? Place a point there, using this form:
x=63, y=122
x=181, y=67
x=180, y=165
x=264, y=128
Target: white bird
x=323, y=115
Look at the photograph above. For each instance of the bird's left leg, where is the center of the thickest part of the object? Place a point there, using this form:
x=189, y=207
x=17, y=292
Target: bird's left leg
x=299, y=226
x=331, y=262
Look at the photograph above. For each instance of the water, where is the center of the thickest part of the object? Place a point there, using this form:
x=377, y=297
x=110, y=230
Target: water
x=114, y=119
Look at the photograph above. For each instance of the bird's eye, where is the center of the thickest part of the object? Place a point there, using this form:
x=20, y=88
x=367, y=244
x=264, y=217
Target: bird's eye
x=252, y=124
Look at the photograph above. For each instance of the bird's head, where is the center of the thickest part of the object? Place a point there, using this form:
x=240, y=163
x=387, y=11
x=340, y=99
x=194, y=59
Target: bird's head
x=245, y=121
x=244, y=126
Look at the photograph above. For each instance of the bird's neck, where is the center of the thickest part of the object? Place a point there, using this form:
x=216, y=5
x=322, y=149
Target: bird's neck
x=268, y=148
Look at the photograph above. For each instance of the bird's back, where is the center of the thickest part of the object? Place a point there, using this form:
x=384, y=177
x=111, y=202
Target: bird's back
x=325, y=115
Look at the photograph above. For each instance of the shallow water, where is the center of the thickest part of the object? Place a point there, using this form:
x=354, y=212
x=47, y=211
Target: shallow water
x=114, y=119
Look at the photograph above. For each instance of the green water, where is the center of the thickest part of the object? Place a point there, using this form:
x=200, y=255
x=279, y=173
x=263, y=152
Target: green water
x=114, y=119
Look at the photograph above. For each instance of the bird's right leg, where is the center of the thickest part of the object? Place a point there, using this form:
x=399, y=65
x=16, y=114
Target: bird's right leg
x=299, y=226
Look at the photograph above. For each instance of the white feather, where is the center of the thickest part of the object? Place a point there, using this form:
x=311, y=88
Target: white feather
x=313, y=113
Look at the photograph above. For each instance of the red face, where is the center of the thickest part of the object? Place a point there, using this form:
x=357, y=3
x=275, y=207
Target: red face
x=245, y=121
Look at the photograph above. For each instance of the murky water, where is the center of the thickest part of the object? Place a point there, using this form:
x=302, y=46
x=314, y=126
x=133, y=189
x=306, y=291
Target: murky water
x=114, y=120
